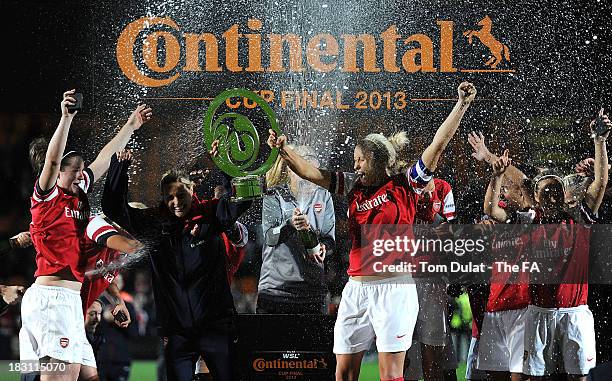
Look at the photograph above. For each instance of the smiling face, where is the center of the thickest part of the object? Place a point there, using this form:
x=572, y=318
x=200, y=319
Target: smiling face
x=177, y=198
x=71, y=174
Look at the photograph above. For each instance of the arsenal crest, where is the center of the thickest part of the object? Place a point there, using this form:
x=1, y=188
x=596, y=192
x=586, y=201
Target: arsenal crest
x=436, y=206
x=64, y=341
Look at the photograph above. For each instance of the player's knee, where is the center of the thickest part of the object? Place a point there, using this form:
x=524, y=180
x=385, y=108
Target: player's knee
x=346, y=372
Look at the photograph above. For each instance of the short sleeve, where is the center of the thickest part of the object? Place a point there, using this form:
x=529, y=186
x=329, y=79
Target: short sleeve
x=88, y=179
x=448, y=206
x=40, y=195
x=99, y=230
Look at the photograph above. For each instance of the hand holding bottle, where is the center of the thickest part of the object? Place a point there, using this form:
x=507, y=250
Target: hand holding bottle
x=308, y=236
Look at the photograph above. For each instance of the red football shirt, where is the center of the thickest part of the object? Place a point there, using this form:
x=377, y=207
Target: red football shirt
x=97, y=257
x=58, y=227
x=571, y=268
x=441, y=202
x=509, y=290
x=392, y=203
x=564, y=250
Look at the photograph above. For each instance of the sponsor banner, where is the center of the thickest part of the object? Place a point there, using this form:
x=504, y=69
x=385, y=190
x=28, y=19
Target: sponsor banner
x=291, y=365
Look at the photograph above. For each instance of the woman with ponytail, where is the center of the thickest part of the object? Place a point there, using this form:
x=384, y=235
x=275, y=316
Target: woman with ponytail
x=377, y=306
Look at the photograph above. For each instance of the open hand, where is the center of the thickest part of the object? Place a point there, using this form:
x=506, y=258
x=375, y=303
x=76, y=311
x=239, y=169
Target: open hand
x=140, y=116
x=477, y=141
x=125, y=154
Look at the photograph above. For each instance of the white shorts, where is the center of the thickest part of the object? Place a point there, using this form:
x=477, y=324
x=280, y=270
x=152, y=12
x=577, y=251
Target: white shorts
x=414, y=371
x=559, y=340
x=385, y=311
x=502, y=341
x=52, y=325
x=432, y=323
x=471, y=371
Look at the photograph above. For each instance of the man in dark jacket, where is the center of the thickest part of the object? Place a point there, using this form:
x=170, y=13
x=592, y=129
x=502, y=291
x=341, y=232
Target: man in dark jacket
x=195, y=309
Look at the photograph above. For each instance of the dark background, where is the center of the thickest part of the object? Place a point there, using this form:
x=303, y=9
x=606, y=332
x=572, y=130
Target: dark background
x=540, y=112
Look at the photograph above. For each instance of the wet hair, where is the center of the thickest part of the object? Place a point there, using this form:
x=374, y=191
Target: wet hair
x=278, y=174
x=38, y=153
x=547, y=174
x=384, y=150
x=174, y=176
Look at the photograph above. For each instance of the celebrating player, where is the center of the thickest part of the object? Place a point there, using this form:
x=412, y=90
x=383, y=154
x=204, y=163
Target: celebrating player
x=53, y=329
x=379, y=307
x=559, y=328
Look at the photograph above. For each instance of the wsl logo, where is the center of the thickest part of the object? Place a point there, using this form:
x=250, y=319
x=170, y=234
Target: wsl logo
x=156, y=51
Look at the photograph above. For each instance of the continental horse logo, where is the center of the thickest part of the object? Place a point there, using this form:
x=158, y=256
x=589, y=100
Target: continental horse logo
x=499, y=51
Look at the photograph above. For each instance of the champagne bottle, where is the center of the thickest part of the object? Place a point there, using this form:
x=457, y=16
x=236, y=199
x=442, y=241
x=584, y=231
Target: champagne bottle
x=310, y=240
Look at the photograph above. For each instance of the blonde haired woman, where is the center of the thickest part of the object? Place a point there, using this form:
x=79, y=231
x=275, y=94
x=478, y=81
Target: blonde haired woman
x=377, y=307
x=292, y=278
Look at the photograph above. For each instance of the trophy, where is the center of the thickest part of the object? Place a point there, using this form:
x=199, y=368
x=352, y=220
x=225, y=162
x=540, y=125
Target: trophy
x=239, y=144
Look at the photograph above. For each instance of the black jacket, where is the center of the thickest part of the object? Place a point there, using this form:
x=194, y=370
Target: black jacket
x=189, y=274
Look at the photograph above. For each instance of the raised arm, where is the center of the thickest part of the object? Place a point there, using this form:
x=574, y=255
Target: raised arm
x=301, y=167
x=445, y=132
x=55, y=150
x=138, y=117
x=491, y=206
x=597, y=189
x=512, y=173
x=115, y=195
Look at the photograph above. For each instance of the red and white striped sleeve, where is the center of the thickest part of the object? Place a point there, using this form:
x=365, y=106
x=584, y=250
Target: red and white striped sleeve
x=448, y=201
x=99, y=230
x=88, y=180
x=40, y=195
x=448, y=206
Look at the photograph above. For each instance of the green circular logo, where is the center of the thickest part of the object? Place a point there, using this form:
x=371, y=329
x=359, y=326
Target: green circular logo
x=238, y=138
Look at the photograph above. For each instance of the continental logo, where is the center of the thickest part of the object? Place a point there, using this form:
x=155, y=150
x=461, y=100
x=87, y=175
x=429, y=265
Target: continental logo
x=156, y=51
x=262, y=365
